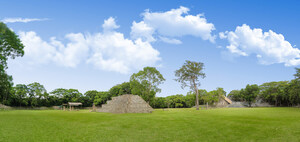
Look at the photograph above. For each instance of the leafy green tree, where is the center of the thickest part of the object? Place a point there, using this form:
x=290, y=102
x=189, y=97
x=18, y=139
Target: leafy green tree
x=120, y=89
x=73, y=95
x=5, y=87
x=293, y=91
x=189, y=74
x=214, y=96
x=36, y=92
x=190, y=99
x=221, y=92
x=101, y=98
x=274, y=92
x=90, y=95
x=168, y=102
x=236, y=95
x=58, y=96
x=10, y=46
x=21, y=92
x=250, y=93
x=68, y=95
x=159, y=102
x=59, y=92
x=297, y=74
x=145, y=83
x=176, y=101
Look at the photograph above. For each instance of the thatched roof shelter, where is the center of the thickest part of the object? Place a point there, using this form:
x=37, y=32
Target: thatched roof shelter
x=71, y=105
x=74, y=104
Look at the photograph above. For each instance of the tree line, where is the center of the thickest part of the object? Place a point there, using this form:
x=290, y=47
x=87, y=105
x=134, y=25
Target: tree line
x=35, y=95
x=280, y=93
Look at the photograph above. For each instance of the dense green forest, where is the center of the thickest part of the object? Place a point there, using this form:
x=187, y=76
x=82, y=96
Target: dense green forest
x=282, y=93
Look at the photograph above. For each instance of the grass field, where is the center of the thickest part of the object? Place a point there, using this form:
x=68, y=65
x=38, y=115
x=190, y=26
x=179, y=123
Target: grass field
x=227, y=124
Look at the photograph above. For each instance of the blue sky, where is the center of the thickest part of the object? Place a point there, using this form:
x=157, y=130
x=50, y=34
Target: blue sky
x=69, y=45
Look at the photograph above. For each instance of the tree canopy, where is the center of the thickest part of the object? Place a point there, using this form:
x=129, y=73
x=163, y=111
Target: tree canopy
x=10, y=47
x=189, y=74
x=145, y=83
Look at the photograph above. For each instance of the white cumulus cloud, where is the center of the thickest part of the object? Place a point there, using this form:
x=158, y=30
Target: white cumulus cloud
x=36, y=49
x=143, y=31
x=170, y=40
x=110, y=24
x=21, y=20
x=269, y=47
x=109, y=51
x=173, y=23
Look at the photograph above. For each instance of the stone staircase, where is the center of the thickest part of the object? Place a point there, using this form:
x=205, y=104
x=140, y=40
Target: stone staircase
x=126, y=104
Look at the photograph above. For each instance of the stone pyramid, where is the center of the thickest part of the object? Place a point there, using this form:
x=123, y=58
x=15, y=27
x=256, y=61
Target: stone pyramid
x=126, y=104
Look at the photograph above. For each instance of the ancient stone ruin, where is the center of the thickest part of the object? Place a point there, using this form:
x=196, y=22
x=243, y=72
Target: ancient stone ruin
x=223, y=102
x=126, y=104
x=4, y=106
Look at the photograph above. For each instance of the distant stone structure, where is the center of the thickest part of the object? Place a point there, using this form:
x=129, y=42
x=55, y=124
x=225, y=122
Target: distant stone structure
x=4, y=106
x=223, y=102
x=258, y=103
x=126, y=104
x=237, y=104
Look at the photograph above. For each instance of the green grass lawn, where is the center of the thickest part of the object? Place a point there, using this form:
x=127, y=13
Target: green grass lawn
x=227, y=124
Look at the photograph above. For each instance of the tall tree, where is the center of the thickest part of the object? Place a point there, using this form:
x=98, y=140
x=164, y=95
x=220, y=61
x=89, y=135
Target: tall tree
x=10, y=46
x=5, y=87
x=146, y=83
x=189, y=74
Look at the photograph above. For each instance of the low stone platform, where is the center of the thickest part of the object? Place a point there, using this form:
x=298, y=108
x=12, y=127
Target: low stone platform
x=4, y=106
x=126, y=104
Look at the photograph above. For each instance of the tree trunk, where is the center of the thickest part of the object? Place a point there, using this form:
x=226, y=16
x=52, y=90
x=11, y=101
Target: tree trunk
x=196, y=91
x=197, y=98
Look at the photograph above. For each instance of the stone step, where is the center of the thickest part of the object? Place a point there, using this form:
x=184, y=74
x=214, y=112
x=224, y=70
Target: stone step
x=114, y=98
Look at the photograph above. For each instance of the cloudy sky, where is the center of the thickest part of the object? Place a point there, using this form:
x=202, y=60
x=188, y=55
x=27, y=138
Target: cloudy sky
x=94, y=45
